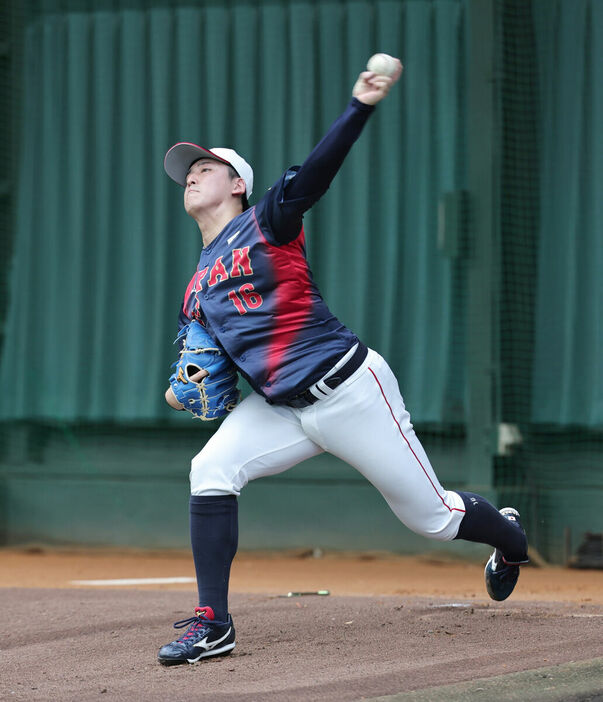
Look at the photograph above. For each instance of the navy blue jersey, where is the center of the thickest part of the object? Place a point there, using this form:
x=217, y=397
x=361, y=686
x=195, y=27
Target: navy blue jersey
x=253, y=287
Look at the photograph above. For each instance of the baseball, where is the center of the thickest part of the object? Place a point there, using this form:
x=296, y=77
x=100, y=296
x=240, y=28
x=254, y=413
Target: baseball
x=382, y=64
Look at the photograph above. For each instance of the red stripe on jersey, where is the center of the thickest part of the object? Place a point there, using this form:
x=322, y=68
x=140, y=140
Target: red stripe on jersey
x=291, y=294
x=450, y=509
x=188, y=306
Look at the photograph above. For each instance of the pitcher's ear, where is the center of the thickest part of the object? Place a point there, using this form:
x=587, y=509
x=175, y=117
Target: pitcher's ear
x=238, y=186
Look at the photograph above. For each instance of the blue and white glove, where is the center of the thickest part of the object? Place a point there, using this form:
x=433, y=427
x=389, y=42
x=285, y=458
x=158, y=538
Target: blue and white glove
x=216, y=394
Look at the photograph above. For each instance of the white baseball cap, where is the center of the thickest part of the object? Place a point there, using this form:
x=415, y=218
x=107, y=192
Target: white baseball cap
x=181, y=157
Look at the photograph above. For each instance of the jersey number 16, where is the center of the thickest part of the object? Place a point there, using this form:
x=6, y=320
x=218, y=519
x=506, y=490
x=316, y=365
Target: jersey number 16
x=245, y=298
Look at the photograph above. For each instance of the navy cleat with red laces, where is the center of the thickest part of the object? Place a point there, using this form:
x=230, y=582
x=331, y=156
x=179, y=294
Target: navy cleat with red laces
x=204, y=637
x=501, y=575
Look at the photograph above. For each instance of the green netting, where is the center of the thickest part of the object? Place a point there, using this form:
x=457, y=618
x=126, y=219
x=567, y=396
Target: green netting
x=551, y=294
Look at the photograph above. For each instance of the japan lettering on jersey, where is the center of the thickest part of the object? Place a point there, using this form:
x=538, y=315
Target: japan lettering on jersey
x=238, y=266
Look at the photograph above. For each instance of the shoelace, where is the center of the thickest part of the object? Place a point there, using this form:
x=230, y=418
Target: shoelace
x=197, y=624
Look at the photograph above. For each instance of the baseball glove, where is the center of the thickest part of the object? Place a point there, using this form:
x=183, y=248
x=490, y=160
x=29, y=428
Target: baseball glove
x=215, y=395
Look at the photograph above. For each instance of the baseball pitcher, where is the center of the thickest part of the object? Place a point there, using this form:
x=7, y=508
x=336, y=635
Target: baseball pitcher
x=252, y=308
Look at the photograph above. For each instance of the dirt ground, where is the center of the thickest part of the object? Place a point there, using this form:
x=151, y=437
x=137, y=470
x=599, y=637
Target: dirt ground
x=391, y=625
x=279, y=573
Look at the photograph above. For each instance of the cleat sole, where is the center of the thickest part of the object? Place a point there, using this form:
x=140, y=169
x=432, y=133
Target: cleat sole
x=223, y=651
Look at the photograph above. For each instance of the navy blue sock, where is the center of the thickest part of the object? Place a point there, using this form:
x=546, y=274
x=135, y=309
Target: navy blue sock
x=484, y=524
x=214, y=540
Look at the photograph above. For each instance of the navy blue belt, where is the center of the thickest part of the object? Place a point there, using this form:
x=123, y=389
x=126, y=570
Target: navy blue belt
x=307, y=397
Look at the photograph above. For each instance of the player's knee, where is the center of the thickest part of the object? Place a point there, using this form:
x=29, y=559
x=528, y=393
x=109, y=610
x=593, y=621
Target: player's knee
x=443, y=532
x=440, y=526
x=211, y=477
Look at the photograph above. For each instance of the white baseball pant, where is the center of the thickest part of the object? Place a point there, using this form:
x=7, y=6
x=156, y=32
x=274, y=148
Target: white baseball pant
x=363, y=422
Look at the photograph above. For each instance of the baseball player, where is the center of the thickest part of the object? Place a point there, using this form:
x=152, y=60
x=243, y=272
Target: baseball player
x=316, y=386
